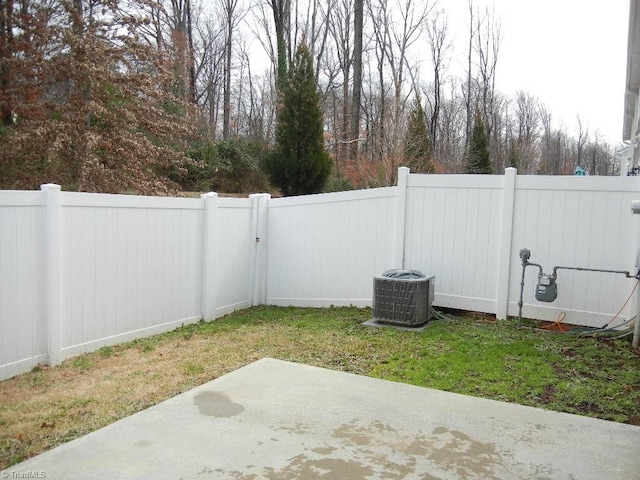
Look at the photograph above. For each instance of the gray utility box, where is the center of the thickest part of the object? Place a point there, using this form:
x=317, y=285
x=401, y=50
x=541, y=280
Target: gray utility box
x=403, y=297
x=546, y=289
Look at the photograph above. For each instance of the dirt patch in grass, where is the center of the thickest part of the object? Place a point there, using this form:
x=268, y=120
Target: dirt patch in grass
x=547, y=395
x=50, y=406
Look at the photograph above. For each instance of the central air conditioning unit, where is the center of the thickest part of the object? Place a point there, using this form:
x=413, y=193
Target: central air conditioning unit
x=403, y=297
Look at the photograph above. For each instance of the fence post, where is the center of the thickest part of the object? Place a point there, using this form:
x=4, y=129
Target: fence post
x=401, y=214
x=53, y=271
x=210, y=238
x=258, y=258
x=504, y=249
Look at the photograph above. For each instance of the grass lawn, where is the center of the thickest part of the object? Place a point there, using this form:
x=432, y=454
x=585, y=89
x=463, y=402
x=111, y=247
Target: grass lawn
x=598, y=377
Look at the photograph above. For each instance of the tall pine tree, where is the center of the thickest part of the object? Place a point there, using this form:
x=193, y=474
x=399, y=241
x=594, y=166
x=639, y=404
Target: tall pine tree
x=299, y=163
x=417, y=153
x=478, y=153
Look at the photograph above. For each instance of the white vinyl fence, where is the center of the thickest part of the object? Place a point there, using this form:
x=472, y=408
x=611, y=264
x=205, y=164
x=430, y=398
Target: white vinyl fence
x=467, y=231
x=79, y=271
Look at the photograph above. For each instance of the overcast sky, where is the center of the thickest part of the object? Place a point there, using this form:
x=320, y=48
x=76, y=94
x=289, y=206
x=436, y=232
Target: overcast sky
x=569, y=53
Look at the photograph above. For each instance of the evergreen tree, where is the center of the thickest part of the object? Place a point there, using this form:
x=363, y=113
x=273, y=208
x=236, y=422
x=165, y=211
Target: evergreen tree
x=417, y=152
x=478, y=153
x=299, y=163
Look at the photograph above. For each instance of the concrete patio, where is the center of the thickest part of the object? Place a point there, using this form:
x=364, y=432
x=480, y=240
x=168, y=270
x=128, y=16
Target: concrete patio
x=279, y=420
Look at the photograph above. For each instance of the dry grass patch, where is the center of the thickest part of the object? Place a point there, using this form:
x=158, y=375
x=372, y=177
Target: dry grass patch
x=50, y=406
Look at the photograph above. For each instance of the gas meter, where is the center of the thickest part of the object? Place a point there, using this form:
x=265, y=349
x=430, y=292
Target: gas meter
x=546, y=289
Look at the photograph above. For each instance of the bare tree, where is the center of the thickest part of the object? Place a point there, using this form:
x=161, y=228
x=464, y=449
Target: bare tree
x=232, y=16
x=358, y=26
x=601, y=156
x=440, y=46
x=583, y=137
x=316, y=28
x=527, y=123
x=550, y=163
x=182, y=37
x=341, y=33
x=487, y=45
x=256, y=109
x=452, y=129
x=396, y=30
x=154, y=31
x=468, y=91
x=209, y=61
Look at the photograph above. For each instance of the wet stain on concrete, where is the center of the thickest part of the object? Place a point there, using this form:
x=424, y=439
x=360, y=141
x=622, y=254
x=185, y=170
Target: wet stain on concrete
x=326, y=450
x=298, y=428
x=440, y=430
x=220, y=474
x=445, y=449
x=142, y=443
x=216, y=404
x=302, y=467
x=456, y=451
x=205, y=470
x=376, y=450
x=355, y=435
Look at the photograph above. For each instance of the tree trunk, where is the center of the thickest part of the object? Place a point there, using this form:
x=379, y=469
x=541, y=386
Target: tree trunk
x=226, y=107
x=280, y=10
x=192, y=66
x=468, y=97
x=358, y=21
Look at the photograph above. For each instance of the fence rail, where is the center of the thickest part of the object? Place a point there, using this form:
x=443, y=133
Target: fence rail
x=79, y=271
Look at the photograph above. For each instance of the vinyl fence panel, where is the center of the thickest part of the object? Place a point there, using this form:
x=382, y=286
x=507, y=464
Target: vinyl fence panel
x=576, y=222
x=325, y=249
x=232, y=254
x=23, y=341
x=128, y=266
x=453, y=226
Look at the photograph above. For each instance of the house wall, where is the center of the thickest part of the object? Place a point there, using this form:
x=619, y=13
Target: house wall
x=79, y=271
